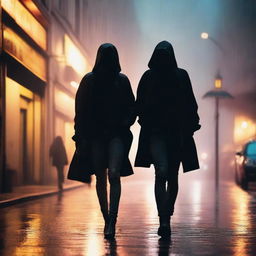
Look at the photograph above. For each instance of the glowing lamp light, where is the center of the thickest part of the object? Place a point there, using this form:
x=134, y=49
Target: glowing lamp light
x=218, y=83
x=244, y=129
x=74, y=84
x=204, y=35
x=244, y=124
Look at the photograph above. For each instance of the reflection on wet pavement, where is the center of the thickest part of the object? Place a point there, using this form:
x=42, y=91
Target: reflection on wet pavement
x=72, y=224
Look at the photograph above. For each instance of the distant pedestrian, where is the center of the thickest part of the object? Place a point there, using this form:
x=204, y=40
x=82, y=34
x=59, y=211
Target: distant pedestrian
x=104, y=114
x=167, y=112
x=59, y=159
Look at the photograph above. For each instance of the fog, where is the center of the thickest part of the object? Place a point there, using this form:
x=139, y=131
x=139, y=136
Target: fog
x=135, y=27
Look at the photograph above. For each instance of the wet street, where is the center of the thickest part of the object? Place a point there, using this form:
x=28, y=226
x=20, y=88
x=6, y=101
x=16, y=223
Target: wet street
x=72, y=224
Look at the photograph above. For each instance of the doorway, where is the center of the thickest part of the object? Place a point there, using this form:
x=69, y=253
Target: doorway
x=23, y=133
x=25, y=145
x=24, y=168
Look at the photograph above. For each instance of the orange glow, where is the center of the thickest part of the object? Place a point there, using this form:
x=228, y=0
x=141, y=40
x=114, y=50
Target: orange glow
x=30, y=244
x=24, y=53
x=218, y=83
x=74, y=57
x=26, y=21
x=24, y=91
x=32, y=7
x=244, y=125
x=69, y=143
x=245, y=129
x=93, y=244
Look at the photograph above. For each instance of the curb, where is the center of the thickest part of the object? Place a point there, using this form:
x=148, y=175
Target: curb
x=28, y=197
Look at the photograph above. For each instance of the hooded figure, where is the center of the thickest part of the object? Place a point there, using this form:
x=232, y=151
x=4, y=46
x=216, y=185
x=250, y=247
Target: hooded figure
x=104, y=112
x=167, y=112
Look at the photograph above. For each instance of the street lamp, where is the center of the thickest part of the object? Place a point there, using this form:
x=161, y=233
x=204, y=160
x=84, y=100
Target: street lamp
x=205, y=36
x=217, y=93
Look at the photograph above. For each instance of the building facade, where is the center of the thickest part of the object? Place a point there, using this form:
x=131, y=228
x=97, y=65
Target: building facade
x=68, y=62
x=24, y=31
x=42, y=62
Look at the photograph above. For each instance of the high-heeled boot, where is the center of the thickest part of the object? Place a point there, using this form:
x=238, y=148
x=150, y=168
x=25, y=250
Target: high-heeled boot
x=111, y=228
x=164, y=229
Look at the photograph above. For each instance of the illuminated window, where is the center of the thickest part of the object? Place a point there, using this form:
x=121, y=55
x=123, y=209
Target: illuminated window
x=74, y=57
x=26, y=21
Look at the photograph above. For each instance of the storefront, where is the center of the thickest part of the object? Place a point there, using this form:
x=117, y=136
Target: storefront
x=24, y=76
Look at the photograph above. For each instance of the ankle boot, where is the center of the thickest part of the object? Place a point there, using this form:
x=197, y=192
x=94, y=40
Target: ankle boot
x=164, y=229
x=111, y=228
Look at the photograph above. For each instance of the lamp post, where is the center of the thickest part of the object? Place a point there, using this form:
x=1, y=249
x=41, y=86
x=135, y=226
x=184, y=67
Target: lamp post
x=217, y=93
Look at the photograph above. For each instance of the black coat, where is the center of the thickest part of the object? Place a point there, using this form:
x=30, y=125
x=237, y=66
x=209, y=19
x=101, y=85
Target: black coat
x=104, y=108
x=166, y=103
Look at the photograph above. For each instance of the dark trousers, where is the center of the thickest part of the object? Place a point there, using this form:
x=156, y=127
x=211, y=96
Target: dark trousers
x=166, y=175
x=113, y=151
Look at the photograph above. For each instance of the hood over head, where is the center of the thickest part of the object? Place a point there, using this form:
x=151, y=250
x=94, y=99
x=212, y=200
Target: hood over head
x=107, y=59
x=163, y=57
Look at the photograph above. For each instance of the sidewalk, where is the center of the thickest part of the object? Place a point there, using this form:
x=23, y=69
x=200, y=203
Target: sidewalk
x=73, y=225
x=30, y=192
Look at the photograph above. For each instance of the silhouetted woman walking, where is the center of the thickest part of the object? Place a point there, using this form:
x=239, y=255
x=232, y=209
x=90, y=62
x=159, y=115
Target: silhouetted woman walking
x=59, y=159
x=104, y=114
x=167, y=112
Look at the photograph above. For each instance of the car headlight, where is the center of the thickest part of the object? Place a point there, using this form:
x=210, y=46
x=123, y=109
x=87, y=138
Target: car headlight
x=250, y=162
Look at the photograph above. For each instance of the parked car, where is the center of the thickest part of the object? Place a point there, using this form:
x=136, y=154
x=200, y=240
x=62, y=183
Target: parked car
x=246, y=164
